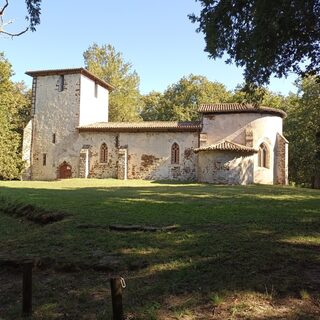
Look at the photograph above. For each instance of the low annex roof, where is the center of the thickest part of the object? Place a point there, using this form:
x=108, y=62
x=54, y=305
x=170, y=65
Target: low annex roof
x=239, y=108
x=145, y=126
x=82, y=71
x=226, y=145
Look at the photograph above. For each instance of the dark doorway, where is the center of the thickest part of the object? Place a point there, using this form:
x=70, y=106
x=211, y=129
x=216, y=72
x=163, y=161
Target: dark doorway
x=65, y=171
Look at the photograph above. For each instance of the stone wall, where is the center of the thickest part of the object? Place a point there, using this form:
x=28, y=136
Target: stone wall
x=97, y=169
x=26, y=151
x=148, y=154
x=250, y=129
x=281, y=167
x=225, y=167
x=123, y=164
x=56, y=112
x=56, y=118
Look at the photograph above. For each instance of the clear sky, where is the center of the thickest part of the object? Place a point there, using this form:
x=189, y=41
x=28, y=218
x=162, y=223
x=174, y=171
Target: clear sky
x=155, y=36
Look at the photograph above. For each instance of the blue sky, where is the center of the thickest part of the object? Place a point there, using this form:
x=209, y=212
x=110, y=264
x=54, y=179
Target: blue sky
x=155, y=36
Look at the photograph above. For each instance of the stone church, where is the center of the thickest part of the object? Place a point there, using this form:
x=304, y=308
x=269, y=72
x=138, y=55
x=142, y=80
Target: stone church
x=69, y=136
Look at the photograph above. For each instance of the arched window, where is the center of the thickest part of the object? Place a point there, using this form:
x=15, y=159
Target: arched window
x=263, y=156
x=103, y=153
x=175, y=154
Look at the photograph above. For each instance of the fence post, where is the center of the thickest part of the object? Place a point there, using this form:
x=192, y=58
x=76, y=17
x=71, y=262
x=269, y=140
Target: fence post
x=116, y=284
x=27, y=288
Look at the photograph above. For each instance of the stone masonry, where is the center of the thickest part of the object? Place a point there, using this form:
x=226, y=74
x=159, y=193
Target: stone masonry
x=69, y=136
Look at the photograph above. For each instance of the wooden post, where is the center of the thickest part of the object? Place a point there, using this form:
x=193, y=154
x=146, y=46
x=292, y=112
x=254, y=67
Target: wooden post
x=116, y=294
x=27, y=288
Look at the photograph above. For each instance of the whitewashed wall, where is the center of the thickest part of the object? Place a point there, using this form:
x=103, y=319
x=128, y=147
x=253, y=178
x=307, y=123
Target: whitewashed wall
x=220, y=167
x=92, y=109
x=232, y=127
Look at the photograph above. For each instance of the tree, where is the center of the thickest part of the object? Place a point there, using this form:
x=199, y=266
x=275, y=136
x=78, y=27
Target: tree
x=151, y=106
x=14, y=107
x=181, y=100
x=264, y=37
x=259, y=96
x=33, y=16
x=107, y=64
x=302, y=128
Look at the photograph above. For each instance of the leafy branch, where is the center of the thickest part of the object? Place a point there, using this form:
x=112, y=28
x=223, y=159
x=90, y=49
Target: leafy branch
x=34, y=10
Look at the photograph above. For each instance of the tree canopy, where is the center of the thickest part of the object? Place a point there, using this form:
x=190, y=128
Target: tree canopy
x=302, y=128
x=107, y=64
x=181, y=100
x=264, y=37
x=14, y=111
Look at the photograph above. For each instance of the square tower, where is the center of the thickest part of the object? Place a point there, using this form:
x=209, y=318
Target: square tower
x=62, y=100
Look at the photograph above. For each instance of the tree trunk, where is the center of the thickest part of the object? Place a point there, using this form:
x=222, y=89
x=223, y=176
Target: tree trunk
x=316, y=182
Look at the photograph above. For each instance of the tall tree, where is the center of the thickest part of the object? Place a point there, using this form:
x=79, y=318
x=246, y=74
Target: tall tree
x=151, y=106
x=33, y=16
x=302, y=128
x=14, y=107
x=181, y=100
x=107, y=64
x=264, y=37
x=259, y=96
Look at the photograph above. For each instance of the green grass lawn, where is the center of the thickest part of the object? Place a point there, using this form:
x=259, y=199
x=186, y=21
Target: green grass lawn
x=240, y=252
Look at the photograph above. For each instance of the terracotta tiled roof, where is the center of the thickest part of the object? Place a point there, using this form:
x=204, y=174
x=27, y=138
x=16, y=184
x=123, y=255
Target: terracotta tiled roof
x=226, y=145
x=239, y=108
x=144, y=126
x=83, y=71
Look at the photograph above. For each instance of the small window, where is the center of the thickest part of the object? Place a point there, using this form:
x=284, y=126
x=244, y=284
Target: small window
x=54, y=138
x=61, y=83
x=103, y=153
x=44, y=159
x=96, y=90
x=263, y=156
x=175, y=154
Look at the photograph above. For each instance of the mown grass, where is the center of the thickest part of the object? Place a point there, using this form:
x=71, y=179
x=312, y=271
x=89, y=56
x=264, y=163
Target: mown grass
x=232, y=242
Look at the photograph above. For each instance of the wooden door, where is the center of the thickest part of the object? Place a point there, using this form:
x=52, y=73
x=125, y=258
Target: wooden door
x=65, y=171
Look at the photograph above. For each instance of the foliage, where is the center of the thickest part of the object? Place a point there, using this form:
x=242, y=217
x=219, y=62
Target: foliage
x=301, y=129
x=151, y=106
x=33, y=16
x=234, y=246
x=107, y=64
x=264, y=37
x=181, y=100
x=14, y=108
x=34, y=11
x=259, y=96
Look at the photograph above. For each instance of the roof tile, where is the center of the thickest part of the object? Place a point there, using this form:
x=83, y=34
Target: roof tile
x=226, y=145
x=143, y=126
x=239, y=108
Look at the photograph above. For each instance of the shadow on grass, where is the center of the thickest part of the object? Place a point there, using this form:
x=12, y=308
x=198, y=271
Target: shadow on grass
x=231, y=240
